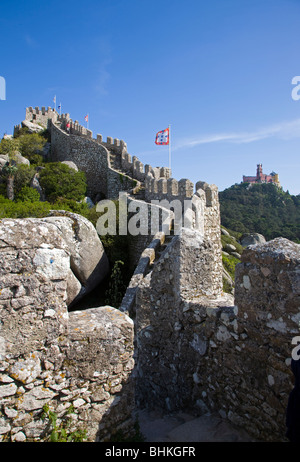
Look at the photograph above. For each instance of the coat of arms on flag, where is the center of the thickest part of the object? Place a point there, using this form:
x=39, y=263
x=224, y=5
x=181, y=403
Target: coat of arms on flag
x=162, y=137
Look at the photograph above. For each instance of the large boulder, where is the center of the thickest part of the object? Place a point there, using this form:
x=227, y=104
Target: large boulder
x=252, y=239
x=3, y=160
x=21, y=160
x=35, y=184
x=70, y=164
x=18, y=159
x=64, y=247
x=88, y=260
x=32, y=127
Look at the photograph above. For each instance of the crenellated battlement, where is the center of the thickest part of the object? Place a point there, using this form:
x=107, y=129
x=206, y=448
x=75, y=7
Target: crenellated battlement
x=140, y=171
x=41, y=116
x=110, y=169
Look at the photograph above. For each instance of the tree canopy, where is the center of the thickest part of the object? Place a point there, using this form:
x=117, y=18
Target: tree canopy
x=261, y=208
x=60, y=181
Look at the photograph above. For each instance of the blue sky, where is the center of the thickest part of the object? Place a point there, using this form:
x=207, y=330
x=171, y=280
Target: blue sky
x=218, y=71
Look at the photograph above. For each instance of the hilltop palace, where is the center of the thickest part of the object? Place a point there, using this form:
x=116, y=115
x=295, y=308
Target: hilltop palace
x=262, y=177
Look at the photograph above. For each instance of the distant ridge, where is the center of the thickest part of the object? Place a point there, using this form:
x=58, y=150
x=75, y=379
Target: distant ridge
x=261, y=208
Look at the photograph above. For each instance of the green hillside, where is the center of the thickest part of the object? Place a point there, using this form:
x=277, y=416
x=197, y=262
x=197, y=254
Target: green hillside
x=261, y=208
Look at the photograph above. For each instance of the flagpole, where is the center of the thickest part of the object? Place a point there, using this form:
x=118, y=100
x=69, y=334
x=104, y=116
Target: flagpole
x=170, y=147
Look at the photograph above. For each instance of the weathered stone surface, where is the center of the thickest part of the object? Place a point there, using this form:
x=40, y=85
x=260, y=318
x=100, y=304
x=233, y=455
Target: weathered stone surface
x=50, y=356
x=89, y=202
x=252, y=239
x=65, y=247
x=21, y=160
x=70, y=164
x=32, y=127
x=230, y=248
x=222, y=354
x=89, y=266
x=7, y=390
x=35, y=184
x=3, y=160
x=18, y=159
x=35, y=398
x=26, y=370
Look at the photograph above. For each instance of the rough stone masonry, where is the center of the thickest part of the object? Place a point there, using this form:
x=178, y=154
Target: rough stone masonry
x=196, y=346
x=203, y=351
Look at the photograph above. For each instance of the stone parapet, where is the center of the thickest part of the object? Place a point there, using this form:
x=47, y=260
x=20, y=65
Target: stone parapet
x=225, y=355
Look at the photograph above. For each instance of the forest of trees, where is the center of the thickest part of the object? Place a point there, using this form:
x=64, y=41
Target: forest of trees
x=261, y=208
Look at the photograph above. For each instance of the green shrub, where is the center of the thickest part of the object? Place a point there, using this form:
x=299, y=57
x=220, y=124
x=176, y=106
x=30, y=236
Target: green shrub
x=261, y=208
x=11, y=209
x=8, y=146
x=30, y=145
x=22, y=131
x=229, y=263
x=28, y=194
x=229, y=240
x=60, y=181
x=23, y=177
x=61, y=433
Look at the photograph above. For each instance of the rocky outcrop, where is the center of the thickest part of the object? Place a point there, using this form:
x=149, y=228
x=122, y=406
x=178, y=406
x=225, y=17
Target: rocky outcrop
x=88, y=261
x=252, y=239
x=18, y=159
x=79, y=363
x=35, y=184
x=70, y=165
x=83, y=258
x=32, y=127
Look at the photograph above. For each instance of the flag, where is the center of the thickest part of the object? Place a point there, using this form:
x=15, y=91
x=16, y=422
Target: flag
x=163, y=137
x=86, y=118
x=54, y=99
x=59, y=106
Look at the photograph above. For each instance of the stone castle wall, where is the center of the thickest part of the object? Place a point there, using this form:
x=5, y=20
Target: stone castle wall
x=41, y=116
x=215, y=353
x=196, y=346
x=93, y=157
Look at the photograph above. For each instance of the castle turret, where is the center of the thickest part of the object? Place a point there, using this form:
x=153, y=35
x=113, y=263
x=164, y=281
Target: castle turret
x=259, y=172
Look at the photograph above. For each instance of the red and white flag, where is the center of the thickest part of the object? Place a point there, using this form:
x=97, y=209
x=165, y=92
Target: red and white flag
x=163, y=137
x=86, y=118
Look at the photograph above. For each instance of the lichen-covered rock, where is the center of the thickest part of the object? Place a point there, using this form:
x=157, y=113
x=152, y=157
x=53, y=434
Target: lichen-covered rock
x=32, y=127
x=66, y=245
x=81, y=360
x=70, y=164
x=252, y=239
x=89, y=262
